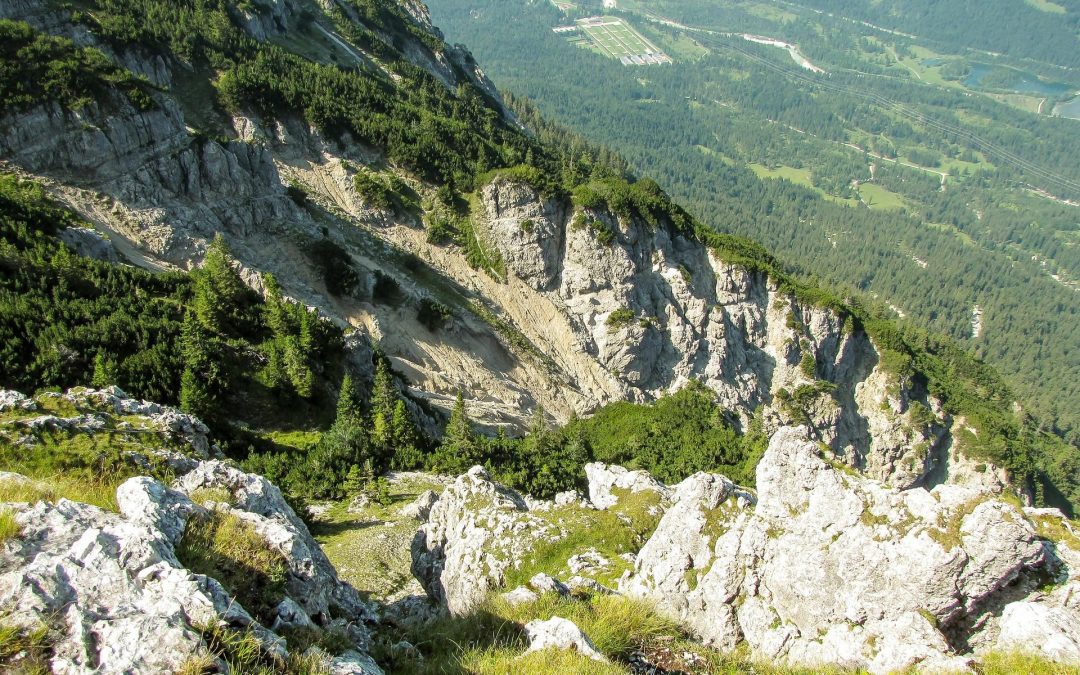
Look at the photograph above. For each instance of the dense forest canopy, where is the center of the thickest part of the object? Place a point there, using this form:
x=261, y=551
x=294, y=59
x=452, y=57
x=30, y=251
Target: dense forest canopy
x=1046, y=32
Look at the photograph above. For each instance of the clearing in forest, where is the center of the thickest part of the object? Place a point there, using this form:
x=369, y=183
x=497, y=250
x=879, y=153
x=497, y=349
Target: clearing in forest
x=615, y=38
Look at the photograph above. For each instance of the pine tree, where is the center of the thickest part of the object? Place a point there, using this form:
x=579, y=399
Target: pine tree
x=355, y=481
x=194, y=397
x=276, y=314
x=104, y=371
x=459, y=450
x=384, y=398
x=203, y=380
x=219, y=290
x=406, y=440
x=347, y=407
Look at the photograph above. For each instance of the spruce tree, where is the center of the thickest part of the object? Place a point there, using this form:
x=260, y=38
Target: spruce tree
x=347, y=407
x=384, y=397
x=194, y=397
x=459, y=450
x=406, y=440
x=104, y=371
x=203, y=380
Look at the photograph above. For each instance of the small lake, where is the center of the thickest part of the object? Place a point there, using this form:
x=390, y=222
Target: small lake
x=1024, y=83
x=1070, y=109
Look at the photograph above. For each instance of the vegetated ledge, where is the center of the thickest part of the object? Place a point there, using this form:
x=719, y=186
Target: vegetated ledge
x=213, y=572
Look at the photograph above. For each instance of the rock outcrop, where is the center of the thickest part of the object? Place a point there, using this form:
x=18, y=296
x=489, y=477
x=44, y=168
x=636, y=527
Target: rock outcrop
x=112, y=586
x=1047, y=622
x=821, y=565
x=475, y=533
x=560, y=633
x=831, y=567
x=605, y=479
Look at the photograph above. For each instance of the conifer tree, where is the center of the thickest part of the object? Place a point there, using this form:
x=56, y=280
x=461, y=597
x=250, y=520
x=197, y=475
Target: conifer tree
x=384, y=397
x=347, y=408
x=407, y=453
x=219, y=289
x=104, y=371
x=194, y=397
x=202, y=380
x=459, y=449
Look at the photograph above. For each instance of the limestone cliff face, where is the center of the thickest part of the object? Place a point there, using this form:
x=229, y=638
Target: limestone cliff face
x=655, y=309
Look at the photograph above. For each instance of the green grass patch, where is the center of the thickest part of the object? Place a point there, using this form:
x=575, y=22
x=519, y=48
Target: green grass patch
x=1054, y=529
x=242, y=652
x=203, y=496
x=82, y=467
x=1010, y=663
x=25, y=651
x=616, y=625
x=623, y=528
x=365, y=551
x=947, y=533
x=229, y=549
x=9, y=528
x=510, y=661
x=877, y=197
x=790, y=173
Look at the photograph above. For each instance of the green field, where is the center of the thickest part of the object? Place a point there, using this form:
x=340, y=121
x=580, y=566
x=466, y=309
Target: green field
x=877, y=197
x=616, y=39
x=799, y=177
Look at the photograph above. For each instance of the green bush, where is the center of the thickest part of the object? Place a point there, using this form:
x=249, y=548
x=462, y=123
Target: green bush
x=433, y=314
x=619, y=319
x=373, y=190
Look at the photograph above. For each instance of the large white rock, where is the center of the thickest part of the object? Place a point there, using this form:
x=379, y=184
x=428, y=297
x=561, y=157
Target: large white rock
x=605, y=478
x=113, y=589
x=476, y=531
x=1052, y=631
x=420, y=508
x=312, y=580
x=831, y=567
x=560, y=633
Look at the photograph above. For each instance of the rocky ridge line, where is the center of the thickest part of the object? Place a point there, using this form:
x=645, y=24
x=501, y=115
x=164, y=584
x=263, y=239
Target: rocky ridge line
x=822, y=565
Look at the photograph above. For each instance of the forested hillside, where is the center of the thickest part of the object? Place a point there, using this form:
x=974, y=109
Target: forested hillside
x=869, y=179
x=1043, y=31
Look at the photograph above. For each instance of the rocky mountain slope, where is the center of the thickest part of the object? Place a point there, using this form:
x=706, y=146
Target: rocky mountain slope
x=185, y=563
x=593, y=303
x=180, y=574
x=821, y=565
x=891, y=522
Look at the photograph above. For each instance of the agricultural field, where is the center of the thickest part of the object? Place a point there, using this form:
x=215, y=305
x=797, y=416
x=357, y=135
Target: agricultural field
x=615, y=38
